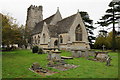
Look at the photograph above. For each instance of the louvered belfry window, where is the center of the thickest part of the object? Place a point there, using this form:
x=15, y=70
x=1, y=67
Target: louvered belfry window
x=78, y=33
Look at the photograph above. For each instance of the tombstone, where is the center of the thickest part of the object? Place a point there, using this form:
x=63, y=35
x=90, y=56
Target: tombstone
x=76, y=53
x=103, y=47
x=28, y=47
x=101, y=56
x=23, y=46
x=108, y=60
x=56, y=55
x=35, y=66
x=49, y=55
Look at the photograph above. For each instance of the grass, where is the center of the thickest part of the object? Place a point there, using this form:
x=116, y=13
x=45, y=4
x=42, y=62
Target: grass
x=15, y=64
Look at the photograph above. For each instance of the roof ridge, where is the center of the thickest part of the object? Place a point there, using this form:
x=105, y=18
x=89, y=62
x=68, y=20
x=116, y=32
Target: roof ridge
x=68, y=17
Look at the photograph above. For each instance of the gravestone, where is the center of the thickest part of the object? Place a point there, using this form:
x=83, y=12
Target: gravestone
x=108, y=61
x=102, y=56
x=49, y=54
x=56, y=55
x=76, y=53
x=35, y=66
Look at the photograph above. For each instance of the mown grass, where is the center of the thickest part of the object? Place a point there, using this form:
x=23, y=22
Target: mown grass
x=15, y=64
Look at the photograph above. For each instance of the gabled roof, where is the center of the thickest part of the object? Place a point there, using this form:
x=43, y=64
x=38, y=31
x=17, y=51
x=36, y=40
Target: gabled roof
x=62, y=26
x=53, y=30
x=39, y=26
x=65, y=24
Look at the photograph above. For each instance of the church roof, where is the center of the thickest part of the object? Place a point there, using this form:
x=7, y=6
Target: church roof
x=53, y=30
x=39, y=26
x=65, y=24
x=62, y=26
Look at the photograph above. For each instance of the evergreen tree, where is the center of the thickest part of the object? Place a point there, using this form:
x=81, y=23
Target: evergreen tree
x=111, y=17
x=89, y=26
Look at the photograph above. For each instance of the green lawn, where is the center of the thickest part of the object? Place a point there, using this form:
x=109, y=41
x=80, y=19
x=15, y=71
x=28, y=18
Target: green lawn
x=16, y=63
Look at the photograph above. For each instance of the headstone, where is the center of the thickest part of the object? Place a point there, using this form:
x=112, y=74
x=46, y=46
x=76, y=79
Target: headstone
x=76, y=53
x=103, y=47
x=56, y=55
x=102, y=57
x=108, y=60
x=49, y=55
x=35, y=66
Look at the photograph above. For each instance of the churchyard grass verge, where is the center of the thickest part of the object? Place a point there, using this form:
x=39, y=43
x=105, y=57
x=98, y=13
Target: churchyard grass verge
x=15, y=64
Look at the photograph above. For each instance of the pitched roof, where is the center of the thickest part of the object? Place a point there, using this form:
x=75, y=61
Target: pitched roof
x=53, y=30
x=39, y=26
x=65, y=24
x=62, y=26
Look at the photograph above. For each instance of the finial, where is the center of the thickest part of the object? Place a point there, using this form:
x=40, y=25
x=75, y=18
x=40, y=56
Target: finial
x=78, y=10
x=57, y=8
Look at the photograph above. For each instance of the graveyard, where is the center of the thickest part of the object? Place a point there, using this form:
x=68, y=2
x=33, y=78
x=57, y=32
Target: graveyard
x=16, y=64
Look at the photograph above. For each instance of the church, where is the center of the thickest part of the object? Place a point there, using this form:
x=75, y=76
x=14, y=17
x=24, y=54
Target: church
x=56, y=32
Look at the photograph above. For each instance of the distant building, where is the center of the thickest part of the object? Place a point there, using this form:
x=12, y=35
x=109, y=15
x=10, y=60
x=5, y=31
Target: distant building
x=55, y=32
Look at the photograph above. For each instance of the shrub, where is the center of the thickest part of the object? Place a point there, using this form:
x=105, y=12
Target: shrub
x=40, y=51
x=35, y=49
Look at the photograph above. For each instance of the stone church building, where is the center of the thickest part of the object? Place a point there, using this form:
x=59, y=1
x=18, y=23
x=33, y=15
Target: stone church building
x=57, y=32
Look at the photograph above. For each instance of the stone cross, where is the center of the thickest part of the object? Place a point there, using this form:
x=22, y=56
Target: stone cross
x=103, y=47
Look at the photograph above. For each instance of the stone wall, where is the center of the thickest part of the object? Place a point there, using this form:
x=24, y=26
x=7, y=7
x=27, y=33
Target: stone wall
x=34, y=15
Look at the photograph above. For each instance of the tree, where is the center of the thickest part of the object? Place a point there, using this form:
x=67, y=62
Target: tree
x=11, y=33
x=89, y=26
x=111, y=17
x=107, y=41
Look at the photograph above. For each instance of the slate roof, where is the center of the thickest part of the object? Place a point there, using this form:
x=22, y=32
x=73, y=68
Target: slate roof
x=53, y=30
x=65, y=24
x=39, y=26
x=62, y=26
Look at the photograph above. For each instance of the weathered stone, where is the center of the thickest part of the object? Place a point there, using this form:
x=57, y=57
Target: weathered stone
x=108, y=60
x=35, y=66
x=102, y=57
x=34, y=15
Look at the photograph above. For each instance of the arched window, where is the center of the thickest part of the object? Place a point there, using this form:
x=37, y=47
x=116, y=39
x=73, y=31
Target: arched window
x=38, y=36
x=43, y=38
x=56, y=43
x=61, y=39
x=78, y=33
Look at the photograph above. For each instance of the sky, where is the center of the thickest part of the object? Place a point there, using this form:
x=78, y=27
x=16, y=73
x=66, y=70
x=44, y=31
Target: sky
x=18, y=8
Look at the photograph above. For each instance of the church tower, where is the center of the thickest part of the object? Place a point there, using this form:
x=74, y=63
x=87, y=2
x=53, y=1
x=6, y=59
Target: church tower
x=34, y=15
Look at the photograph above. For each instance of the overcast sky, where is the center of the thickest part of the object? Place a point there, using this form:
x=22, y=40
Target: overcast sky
x=18, y=8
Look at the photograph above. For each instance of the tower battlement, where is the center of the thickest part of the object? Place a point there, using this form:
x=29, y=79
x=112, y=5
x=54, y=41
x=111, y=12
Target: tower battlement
x=34, y=15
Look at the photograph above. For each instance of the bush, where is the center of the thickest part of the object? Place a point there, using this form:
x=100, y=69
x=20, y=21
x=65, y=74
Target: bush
x=9, y=48
x=40, y=51
x=35, y=49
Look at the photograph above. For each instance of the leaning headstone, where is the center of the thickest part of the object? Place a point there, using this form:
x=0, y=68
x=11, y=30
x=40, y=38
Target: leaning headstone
x=108, y=60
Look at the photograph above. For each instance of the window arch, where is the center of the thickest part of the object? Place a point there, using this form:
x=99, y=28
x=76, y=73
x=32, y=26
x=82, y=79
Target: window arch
x=78, y=33
x=61, y=39
x=56, y=43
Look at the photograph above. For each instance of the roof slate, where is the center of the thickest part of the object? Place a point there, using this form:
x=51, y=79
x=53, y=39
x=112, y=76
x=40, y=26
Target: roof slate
x=62, y=26
x=65, y=24
x=39, y=26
